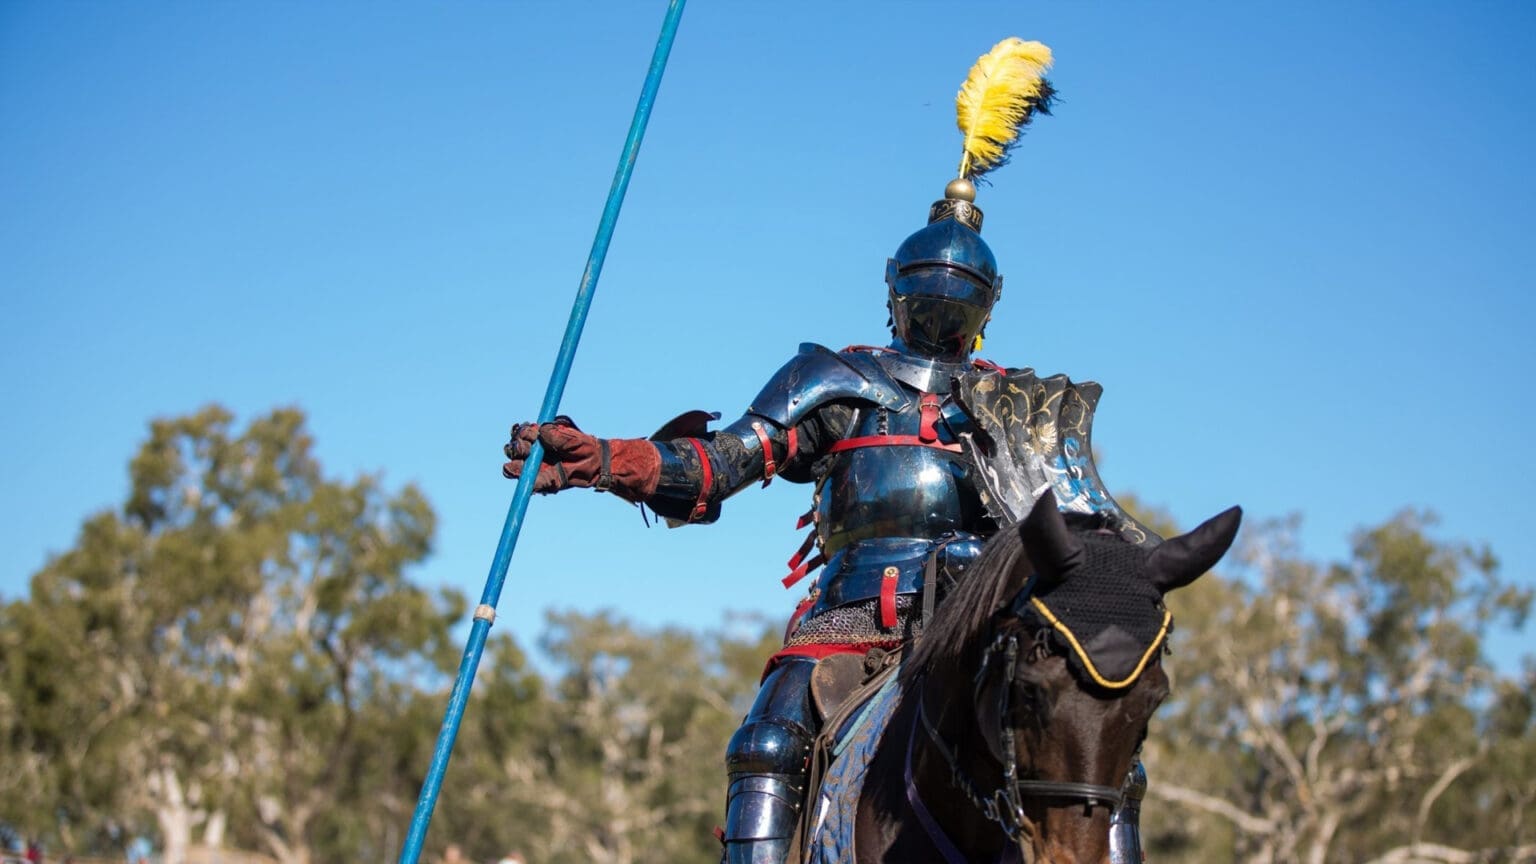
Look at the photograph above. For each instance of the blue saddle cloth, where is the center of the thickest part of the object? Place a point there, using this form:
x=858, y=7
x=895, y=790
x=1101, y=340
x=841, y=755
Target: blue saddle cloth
x=831, y=834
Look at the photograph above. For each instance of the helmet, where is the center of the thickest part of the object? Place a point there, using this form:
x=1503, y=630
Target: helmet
x=943, y=280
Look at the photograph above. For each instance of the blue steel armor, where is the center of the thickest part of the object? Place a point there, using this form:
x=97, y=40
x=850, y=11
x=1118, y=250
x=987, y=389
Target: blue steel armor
x=896, y=512
x=877, y=433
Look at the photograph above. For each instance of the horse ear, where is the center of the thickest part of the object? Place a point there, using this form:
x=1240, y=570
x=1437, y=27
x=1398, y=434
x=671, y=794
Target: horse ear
x=1183, y=559
x=1049, y=544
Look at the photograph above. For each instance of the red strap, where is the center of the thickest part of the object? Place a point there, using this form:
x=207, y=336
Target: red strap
x=891, y=441
x=795, y=559
x=820, y=650
x=888, y=582
x=794, y=446
x=798, y=566
x=927, y=429
x=987, y=365
x=702, y=506
x=802, y=571
x=768, y=467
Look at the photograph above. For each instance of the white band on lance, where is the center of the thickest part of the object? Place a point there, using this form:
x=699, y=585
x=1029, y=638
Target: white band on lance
x=485, y=612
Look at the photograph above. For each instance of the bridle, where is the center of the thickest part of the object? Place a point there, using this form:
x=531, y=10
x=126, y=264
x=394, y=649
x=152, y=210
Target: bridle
x=1005, y=805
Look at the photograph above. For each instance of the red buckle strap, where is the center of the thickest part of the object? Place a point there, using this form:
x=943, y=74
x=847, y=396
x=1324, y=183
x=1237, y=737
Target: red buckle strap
x=702, y=505
x=888, y=581
x=892, y=441
x=927, y=433
x=768, y=465
x=927, y=429
x=816, y=651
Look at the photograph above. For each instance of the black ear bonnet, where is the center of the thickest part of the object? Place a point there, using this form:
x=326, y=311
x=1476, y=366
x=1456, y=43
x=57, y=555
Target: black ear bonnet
x=1104, y=615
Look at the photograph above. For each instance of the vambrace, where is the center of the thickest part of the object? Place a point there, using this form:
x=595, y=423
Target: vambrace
x=698, y=473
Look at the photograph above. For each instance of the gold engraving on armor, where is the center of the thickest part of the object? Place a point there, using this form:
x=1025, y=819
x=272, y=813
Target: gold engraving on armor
x=1074, y=414
x=1045, y=437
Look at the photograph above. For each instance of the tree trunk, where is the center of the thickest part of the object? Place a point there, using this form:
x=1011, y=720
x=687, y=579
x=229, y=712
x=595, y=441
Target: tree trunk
x=173, y=814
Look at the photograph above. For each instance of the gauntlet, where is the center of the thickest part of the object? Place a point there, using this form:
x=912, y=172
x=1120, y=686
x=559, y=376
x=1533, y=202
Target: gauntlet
x=627, y=467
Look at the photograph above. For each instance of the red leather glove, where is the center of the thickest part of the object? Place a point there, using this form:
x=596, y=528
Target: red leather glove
x=572, y=458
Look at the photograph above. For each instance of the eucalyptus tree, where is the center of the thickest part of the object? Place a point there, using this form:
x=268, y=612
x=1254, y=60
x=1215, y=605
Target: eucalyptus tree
x=1345, y=711
x=218, y=651
x=622, y=763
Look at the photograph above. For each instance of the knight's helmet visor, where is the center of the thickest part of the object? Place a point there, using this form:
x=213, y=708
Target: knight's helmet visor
x=943, y=282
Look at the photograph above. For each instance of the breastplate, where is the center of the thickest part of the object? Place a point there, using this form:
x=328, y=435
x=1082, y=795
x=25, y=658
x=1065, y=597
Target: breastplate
x=891, y=506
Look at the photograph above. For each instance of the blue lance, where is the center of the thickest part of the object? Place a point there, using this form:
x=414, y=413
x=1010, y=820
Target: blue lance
x=486, y=611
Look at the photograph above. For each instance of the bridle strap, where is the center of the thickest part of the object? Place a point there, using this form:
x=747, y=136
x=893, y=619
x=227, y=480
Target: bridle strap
x=997, y=807
x=1012, y=853
x=935, y=831
x=1005, y=805
x=1092, y=794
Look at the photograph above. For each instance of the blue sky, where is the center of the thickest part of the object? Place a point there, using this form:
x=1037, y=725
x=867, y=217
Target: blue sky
x=1293, y=242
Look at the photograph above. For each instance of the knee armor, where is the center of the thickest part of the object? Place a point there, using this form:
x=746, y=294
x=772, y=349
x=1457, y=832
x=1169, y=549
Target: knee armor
x=768, y=762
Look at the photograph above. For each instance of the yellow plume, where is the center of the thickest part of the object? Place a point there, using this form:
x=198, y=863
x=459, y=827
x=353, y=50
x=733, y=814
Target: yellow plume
x=1000, y=96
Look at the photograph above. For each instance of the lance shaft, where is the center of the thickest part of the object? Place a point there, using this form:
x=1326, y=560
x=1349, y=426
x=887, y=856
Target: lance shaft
x=486, y=612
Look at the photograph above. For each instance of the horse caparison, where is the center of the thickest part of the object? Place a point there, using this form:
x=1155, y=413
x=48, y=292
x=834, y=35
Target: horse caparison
x=1001, y=747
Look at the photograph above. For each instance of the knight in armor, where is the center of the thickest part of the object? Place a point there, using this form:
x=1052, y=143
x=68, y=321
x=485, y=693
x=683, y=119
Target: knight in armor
x=897, y=507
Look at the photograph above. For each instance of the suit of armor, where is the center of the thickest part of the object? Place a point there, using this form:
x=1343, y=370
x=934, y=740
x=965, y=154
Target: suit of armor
x=877, y=431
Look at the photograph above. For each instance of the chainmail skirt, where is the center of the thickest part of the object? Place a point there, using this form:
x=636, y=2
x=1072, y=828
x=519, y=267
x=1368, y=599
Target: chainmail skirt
x=859, y=623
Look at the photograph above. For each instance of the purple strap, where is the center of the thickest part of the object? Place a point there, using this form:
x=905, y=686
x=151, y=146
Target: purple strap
x=940, y=840
x=935, y=831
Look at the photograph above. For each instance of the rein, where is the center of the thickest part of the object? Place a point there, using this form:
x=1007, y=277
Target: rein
x=1005, y=805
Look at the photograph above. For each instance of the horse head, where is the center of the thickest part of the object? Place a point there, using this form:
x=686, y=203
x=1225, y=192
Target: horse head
x=1038, y=677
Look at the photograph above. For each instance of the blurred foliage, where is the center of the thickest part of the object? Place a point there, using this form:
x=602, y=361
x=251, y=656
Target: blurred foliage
x=237, y=657
x=1344, y=711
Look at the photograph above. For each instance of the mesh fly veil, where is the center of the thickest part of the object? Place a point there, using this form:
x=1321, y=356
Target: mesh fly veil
x=1108, y=619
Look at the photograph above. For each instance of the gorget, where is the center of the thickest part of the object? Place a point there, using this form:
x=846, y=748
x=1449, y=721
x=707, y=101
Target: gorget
x=923, y=374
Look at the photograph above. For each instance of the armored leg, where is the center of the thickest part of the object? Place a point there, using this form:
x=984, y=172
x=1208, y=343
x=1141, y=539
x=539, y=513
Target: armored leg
x=767, y=765
x=1125, y=822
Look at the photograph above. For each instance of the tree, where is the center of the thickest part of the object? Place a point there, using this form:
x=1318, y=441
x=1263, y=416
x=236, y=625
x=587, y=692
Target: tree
x=626, y=766
x=1345, y=712
x=229, y=636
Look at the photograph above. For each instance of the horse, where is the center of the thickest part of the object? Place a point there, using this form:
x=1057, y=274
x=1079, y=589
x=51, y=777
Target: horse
x=1023, y=704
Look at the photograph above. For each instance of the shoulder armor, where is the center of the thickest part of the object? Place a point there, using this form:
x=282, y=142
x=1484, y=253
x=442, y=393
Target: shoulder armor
x=818, y=375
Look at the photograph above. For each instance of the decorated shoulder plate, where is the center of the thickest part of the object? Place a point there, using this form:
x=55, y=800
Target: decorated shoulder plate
x=818, y=375
x=1034, y=434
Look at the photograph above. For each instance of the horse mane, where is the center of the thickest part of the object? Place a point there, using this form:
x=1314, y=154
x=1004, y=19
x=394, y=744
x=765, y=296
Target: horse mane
x=997, y=576
x=969, y=606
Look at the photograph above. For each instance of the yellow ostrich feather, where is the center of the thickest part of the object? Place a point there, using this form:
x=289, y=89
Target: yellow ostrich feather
x=1000, y=96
